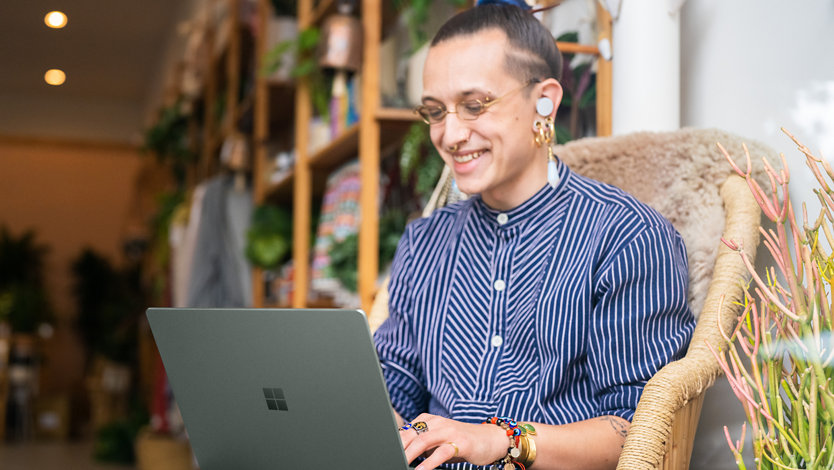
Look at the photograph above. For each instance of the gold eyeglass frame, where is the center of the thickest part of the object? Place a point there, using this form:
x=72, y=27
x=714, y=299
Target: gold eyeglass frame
x=484, y=104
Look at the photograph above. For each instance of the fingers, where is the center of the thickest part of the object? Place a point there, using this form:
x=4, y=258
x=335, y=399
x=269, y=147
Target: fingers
x=443, y=453
x=439, y=440
x=419, y=439
x=410, y=431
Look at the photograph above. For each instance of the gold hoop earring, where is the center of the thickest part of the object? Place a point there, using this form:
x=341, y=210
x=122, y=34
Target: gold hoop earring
x=545, y=132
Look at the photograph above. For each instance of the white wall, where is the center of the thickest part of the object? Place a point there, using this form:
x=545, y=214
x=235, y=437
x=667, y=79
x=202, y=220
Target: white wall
x=751, y=67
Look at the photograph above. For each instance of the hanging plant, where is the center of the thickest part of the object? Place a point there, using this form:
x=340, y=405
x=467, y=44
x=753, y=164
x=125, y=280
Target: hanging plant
x=303, y=48
x=168, y=140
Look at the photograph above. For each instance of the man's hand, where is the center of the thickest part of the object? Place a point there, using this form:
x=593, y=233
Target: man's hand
x=446, y=440
x=591, y=444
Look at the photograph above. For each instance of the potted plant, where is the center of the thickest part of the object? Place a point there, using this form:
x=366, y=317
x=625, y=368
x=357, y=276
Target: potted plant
x=24, y=309
x=24, y=302
x=300, y=53
x=780, y=357
x=269, y=238
x=109, y=303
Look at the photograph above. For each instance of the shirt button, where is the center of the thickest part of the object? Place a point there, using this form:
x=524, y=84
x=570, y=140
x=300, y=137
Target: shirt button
x=502, y=218
x=499, y=285
x=497, y=341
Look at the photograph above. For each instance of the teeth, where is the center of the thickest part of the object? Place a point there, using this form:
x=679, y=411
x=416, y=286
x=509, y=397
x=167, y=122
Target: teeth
x=467, y=157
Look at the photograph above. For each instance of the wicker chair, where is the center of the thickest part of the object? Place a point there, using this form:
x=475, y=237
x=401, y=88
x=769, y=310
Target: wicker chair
x=683, y=175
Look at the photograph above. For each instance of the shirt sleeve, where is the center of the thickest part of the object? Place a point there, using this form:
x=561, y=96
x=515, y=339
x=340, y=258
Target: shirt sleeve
x=641, y=319
x=395, y=341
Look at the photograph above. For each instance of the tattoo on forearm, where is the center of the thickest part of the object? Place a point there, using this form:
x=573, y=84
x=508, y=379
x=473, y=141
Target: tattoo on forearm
x=618, y=425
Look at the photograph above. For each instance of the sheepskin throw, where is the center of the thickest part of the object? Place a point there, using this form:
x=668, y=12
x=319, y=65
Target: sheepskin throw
x=679, y=174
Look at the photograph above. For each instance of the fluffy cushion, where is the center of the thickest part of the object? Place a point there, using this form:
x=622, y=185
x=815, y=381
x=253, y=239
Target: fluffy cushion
x=679, y=174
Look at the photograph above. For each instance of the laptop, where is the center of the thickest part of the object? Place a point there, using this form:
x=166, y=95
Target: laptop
x=278, y=388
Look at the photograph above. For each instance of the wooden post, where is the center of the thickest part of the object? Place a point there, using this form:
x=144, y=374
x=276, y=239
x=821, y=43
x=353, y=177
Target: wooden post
x=259, y=154
x=232, y=69
x=210, y=100
x=604, y=75
x=303, y=185
x=369, y=135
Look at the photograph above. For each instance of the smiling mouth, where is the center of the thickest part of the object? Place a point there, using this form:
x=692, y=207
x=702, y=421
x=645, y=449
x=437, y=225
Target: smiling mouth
x=467, y=157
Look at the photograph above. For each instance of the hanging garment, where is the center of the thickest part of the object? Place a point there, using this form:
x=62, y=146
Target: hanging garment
x=220, y=274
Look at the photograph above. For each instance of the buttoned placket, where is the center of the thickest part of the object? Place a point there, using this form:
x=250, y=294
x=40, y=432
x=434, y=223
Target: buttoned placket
x=505, y=241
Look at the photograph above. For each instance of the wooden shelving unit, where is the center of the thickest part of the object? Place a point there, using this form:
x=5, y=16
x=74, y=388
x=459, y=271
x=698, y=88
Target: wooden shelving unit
x=379, y=129
x=363, y=138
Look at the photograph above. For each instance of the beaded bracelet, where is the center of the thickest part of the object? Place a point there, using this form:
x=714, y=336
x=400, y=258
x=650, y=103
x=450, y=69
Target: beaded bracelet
x=522, y=450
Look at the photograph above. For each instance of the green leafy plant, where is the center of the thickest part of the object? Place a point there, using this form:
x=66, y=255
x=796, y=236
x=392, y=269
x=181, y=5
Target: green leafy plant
x=169, y=141
x=344, y=254
x=109, y=303
x=269, y=239
x=780, y=358
x=115, y=441
x=417, y=12
x=420, y=164
x=303, y=47
x=284, y=7
x=579, y=94
x=24, y=301
x=419, y=168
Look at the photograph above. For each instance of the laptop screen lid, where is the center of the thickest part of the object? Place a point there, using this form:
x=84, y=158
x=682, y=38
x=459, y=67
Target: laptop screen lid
x=278, y=388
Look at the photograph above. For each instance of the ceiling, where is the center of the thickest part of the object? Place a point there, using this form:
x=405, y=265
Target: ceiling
x=115, y=54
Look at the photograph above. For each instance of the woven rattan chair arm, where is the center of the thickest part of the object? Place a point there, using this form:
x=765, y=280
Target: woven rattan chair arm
x=680, y=382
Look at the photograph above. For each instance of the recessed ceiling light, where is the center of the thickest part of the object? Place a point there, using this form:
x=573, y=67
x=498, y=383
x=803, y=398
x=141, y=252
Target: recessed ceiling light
x=55, y=19
x=55, y=77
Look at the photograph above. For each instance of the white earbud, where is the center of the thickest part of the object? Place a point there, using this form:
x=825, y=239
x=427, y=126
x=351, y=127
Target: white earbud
x=544, y=106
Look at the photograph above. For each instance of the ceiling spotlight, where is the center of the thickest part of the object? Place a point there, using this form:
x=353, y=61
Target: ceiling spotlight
x=55, y=77
x=55, y=19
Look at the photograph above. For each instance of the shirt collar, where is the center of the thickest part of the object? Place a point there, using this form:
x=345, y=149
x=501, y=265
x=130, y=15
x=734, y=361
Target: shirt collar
x=543, y=198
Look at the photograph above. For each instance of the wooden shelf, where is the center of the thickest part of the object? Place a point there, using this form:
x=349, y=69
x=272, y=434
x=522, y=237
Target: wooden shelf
x=338, y=151
x=574, y=48
x=397, y=114
x=270, y=305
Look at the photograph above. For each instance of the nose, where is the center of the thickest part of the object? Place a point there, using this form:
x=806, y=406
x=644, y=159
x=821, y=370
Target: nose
x=455, y=131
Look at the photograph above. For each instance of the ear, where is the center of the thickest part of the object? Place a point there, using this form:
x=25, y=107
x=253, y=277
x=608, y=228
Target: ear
x=550, y=88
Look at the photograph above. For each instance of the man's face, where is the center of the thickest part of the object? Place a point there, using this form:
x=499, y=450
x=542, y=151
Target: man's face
x=495, y=154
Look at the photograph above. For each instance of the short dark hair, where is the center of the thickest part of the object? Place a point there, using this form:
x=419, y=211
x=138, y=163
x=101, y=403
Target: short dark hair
x=535, y=56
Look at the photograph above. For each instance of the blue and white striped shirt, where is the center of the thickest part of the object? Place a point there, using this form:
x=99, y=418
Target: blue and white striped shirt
x=556, y=311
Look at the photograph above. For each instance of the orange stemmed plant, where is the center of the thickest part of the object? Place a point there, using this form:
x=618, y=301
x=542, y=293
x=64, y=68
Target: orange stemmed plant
x=780, y=357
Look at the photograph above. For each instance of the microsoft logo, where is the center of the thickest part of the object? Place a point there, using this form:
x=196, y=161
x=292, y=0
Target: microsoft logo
x=275, y=399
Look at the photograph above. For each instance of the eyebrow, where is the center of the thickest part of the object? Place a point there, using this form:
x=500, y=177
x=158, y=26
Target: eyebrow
x=462, y=95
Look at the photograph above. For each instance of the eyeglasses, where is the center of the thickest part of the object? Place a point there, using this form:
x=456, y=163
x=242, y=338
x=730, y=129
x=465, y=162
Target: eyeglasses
x=467, y=109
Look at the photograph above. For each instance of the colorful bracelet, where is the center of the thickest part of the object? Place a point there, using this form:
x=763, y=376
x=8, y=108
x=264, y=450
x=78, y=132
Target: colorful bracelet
x=522, y=450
